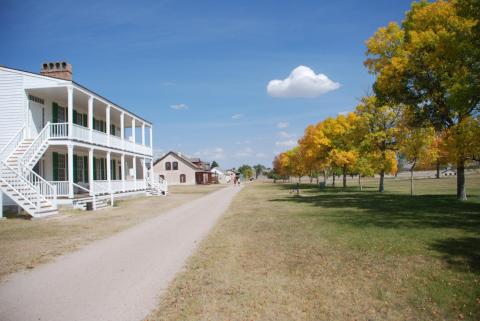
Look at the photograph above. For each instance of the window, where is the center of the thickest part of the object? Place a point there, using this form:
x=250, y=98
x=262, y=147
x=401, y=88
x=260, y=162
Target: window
x=36, y=99
x=183, y=178
x=61, y=114
x=61, y=169
x=175, y=166
x=168, y=166
x=80, y=170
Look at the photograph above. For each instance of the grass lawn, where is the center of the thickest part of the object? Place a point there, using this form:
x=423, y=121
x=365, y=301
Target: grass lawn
x=24, y=244
x=336, y=254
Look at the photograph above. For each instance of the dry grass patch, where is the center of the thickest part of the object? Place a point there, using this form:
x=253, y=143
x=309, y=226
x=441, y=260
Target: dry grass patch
x=25, y=244
x=335, y=255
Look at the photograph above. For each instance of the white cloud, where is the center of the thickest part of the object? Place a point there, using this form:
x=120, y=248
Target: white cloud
x=282, y=124
x=286, y=143
x=179, y=106
x=246, y=152
x=285, y=134
x=211, y=153
x=302, y=82
x=237, y=116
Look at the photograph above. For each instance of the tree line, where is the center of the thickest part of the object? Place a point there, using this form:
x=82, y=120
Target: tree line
x=424, y=105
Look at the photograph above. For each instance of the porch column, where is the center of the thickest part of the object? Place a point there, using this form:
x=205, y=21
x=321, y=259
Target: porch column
x=122, y=129
x=109, y=172
x=144, y=169
x=90, y=171
x=151, y=136
x=152, y=173
x=70, y=170
x=90, y=117
x=70, y=110
x=135, y=172
x=1, y=205
x=143, y=134
x=122, y=172
x=133, y=130
x=107, y=112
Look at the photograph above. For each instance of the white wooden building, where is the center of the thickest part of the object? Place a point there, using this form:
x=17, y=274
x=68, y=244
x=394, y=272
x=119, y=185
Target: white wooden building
x=61, y=143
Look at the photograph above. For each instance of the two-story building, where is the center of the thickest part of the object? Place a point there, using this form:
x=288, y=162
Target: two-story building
x=178, y=169
x=61, y=142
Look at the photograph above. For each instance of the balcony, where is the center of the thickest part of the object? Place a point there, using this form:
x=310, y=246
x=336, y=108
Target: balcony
x=95, y=137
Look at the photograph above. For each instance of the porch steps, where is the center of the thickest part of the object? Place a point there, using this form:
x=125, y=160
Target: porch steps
x=100, y=202
x=19, y=188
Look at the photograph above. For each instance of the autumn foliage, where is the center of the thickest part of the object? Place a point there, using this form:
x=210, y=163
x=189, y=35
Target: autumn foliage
x=425, y=104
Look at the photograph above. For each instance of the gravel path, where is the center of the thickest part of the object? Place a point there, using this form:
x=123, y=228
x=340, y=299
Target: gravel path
x=118, y=278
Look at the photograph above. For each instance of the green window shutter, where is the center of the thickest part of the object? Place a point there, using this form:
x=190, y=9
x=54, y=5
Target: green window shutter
x=102, y=168
x=74, y=116
x=55, y=166
x=85, y=168
x=75, y=168
x=55, y=113
x=112, y=129
x=112, y=169
x=94, y=126
x=94, y=168
x=85, y=120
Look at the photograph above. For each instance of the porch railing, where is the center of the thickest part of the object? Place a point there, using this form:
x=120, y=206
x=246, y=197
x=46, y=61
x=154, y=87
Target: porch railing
x=101, y=187
x=81, y=133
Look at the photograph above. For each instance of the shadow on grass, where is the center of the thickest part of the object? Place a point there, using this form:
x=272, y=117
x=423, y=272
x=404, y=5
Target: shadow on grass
x=460, y=252
x=397, y=211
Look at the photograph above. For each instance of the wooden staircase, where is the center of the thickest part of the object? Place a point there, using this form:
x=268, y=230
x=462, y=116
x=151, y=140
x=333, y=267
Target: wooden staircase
x=17, y=180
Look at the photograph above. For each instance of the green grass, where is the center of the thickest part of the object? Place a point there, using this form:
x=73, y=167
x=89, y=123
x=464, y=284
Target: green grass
x=337, y=254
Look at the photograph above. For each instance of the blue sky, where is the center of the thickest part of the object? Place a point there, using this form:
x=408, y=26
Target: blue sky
x=214, y=57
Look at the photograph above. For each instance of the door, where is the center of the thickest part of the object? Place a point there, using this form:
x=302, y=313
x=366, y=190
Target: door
x=37, y=118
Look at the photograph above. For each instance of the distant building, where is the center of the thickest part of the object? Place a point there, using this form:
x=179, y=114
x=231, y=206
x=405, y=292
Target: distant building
x=179, y=169
x=221, y=176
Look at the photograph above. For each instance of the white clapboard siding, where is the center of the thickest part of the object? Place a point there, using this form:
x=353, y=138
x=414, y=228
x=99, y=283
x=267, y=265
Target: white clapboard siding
x=12, y=105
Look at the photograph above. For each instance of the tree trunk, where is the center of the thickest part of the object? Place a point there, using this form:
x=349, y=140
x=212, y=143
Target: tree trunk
x=461, y=192
x=325, y=178
x=411, y=177
x=317, y=179
x=299, y=179
x=333, y=181
x=344, y=176
x=360, y=181
x=411, y=181
x=438, y=169
x=311, y=179
x=381, y=187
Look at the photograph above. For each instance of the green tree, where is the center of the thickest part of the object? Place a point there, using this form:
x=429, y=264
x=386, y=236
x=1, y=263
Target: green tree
x=246, y=171
x=259, y=169
x=214, y=164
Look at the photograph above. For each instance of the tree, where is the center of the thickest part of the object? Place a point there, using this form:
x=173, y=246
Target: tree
x=431, y=65
x=377, y=124
x=246, y=171
x=259, y=169
x=417, y=144
x=214, y=164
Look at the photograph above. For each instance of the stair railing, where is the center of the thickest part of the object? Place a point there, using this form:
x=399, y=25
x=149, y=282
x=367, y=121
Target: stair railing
x=39, y=197
x=102, y=190
x=88, y=191
x=37, y=143
x=8, y=149
x=45, y=188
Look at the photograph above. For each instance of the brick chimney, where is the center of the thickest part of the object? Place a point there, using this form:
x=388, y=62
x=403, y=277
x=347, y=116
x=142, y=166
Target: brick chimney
x=59, y=69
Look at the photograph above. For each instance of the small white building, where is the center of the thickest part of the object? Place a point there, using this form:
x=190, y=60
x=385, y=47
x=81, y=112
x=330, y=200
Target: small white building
x=62, y=143
x=179, y=169
x=222, y=176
